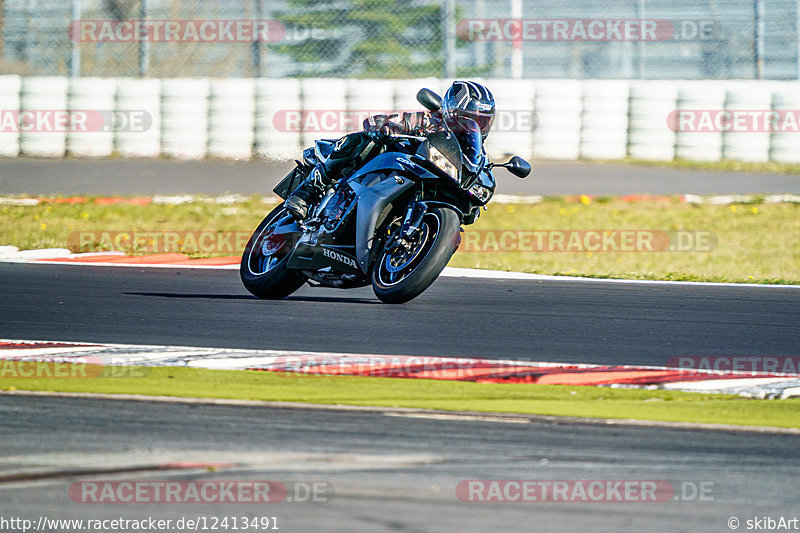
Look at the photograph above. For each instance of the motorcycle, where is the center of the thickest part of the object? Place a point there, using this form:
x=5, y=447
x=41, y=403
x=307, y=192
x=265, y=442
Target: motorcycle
x=393, y=223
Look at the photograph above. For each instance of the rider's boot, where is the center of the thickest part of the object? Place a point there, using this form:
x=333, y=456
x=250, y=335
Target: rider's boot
x=324, y=174
x=308, y=193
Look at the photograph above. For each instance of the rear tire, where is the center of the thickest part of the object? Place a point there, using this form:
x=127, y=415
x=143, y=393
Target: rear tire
x=265, y=275
x=398, y=284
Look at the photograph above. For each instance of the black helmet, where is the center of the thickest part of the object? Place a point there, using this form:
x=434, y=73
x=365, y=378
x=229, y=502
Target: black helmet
x=468, y=101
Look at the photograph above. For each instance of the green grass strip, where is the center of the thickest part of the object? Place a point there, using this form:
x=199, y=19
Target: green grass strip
x=752, y=243
x=593, y=402
x=728, y=165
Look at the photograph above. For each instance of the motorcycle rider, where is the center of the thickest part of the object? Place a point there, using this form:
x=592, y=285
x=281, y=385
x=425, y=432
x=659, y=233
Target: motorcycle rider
x=466, y=106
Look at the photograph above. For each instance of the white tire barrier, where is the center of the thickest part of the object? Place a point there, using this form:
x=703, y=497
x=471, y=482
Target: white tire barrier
x=558, y=119
x=278, y=120
x=366, y=98
x=324, y=105
x=515, y=118
x=40, y=96
x=184, y=116
x=192, y=118
x=785, y=143
x=697, y=97
x=405, y=93
x=10, y=88
x=95, y=97
x=139, y=101
x=231, y=120
x=650, y=136
x=746, y=144
x=604, y=124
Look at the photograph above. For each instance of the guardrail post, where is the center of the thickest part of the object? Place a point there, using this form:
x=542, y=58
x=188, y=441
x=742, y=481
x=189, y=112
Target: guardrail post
x=75, y=58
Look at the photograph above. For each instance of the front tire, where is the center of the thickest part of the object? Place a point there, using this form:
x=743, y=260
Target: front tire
x=401, y=276
x=263, y=266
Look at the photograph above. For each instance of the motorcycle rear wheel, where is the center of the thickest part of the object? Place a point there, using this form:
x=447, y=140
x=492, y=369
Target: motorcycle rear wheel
x=263, y=267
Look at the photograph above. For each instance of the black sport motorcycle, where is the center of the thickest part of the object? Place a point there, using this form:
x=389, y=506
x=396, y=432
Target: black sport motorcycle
x=394, y=222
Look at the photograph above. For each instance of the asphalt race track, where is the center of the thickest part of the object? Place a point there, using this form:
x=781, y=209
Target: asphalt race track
x=388, y=473
x=160, y=176
x=582, y=322
x=380, y=471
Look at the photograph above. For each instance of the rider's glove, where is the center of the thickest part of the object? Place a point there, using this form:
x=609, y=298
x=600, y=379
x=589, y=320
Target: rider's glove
x=382, y=135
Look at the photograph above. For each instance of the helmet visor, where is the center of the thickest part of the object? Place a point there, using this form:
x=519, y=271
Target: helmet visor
x=469, y=136
x=458, y=119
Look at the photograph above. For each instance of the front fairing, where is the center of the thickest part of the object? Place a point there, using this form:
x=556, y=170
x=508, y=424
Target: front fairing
x=486, y=179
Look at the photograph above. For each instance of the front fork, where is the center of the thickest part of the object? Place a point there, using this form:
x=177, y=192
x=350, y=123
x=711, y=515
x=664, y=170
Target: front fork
x=411, y=225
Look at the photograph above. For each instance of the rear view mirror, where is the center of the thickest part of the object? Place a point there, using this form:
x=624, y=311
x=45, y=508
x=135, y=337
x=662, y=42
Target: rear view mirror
x=518, y=166
x=429, y=99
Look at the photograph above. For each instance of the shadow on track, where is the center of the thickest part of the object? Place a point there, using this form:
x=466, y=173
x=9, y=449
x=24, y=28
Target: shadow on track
x=335, y=299
x=193, y=296
x=311, y=299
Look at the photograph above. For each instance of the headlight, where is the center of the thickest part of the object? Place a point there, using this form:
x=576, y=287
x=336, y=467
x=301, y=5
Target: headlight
x=481, y=193
x=438, y=159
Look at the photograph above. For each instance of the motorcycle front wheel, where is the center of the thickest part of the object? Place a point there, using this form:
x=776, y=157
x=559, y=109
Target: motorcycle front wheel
x=405, y=273
x=263, y=266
